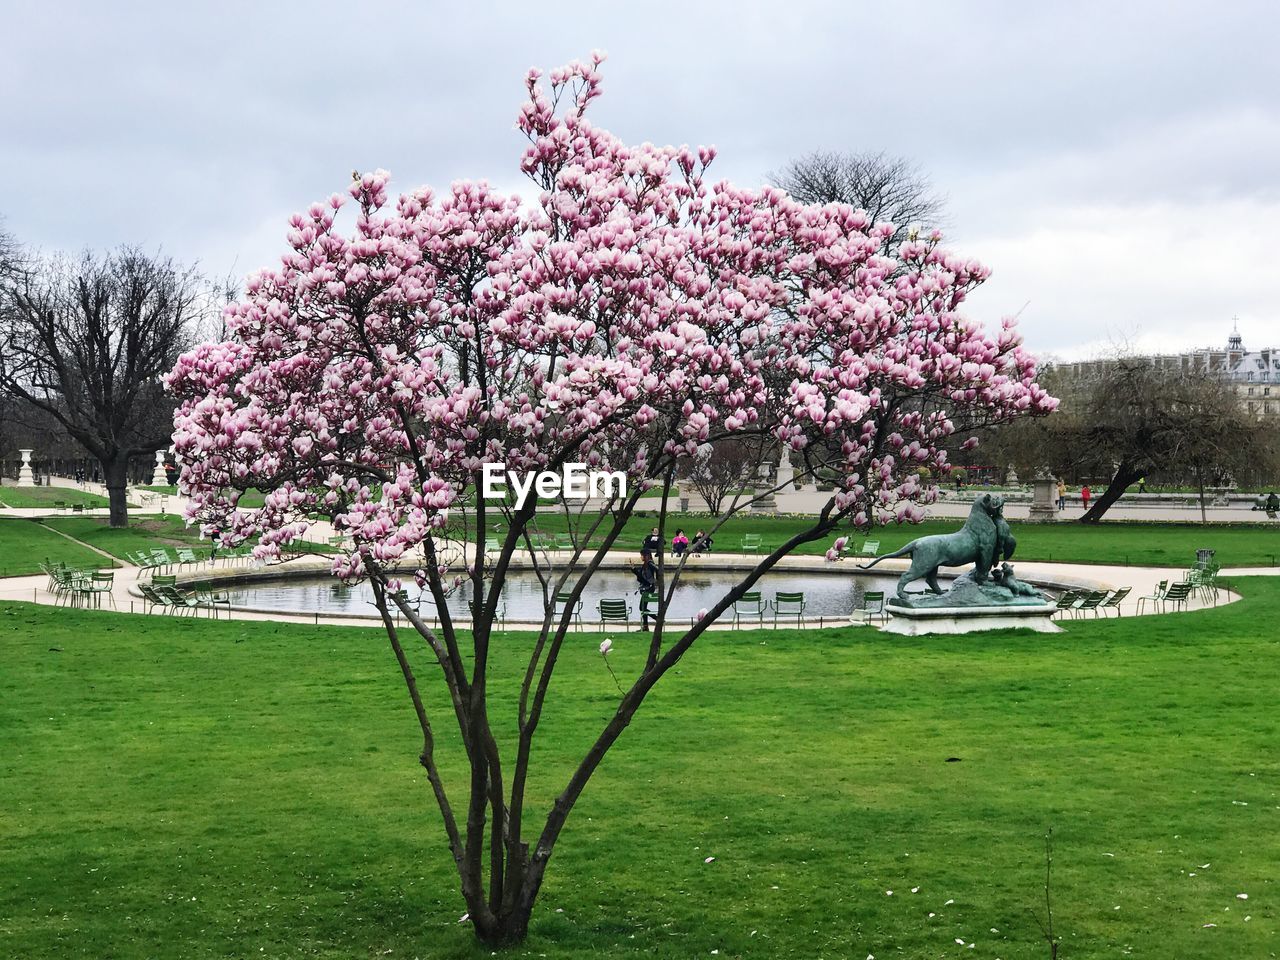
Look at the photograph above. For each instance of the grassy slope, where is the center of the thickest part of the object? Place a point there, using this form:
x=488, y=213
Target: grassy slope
x=198, y=789
x=24, y=544
x=1139, y=544
x=46, y=496
x=143, y=533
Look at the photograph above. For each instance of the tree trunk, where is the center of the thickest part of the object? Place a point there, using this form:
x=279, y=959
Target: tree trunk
x=1125, y=476
x=115, y=473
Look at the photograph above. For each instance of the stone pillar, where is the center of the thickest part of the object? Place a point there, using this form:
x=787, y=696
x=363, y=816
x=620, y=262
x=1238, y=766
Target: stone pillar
x=1011, y=478
x=158, y=478
x=25, y=478
x=682, y=490
x=1044, y=496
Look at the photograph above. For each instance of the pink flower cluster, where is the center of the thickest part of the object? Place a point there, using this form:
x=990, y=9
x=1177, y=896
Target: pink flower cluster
x=630, y=315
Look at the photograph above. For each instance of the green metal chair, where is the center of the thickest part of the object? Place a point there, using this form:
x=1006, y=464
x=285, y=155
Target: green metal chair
x=211, y=599
x=1066, y=600
x=1155, y=596
x=749, y=606
x=101, y=583
x=788, y=605
x=872, y=606
x=1089, y=603
x=152, y=598
x=614, y=611
x=751, y=543
x=1113, y=602
x=563, y=603
x=870, y=548
x=179, y=600
x=648, y=601
x=1178, y=594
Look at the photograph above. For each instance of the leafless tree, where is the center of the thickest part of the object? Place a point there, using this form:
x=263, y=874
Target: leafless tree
x=728, y=467
x=1133, y=420
x=889, y=188
x=86, y=340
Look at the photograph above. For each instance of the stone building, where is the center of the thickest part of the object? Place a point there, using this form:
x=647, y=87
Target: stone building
x=1255, y=374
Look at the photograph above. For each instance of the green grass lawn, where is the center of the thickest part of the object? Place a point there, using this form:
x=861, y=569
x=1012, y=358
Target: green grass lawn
x=1137, y=544
x=202, y=789
x=250, y=499
x=28, y=497
x=143, y=533
x=25, y=544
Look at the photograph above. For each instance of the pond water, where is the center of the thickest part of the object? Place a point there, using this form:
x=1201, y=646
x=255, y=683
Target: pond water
x=826, y=595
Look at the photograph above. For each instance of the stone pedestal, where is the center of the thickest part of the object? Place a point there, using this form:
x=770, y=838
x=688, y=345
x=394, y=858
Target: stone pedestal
x=159, y=478
x=1011, y=478
x=1044, y=495
x=25, y=477
x=786, y=482
x=764, y=501
x=917, y=621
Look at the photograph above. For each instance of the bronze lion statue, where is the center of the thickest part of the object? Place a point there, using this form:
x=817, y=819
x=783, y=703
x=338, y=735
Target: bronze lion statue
x=984, y=540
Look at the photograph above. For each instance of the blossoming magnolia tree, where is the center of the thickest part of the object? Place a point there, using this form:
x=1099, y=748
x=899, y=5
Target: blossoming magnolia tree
x=633, y=314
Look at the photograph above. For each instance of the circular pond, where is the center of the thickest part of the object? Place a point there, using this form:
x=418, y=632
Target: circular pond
x=826, y=595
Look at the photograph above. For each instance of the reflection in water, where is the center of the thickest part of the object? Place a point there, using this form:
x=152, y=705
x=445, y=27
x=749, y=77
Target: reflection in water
x=826, y=595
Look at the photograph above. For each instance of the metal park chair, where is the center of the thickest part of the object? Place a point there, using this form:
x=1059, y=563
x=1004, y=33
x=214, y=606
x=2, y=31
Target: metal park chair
x=1113, y=602
x=1155, y=596
x=152, y=598
x=1178, y=594
x=870, y=548
x=614, y=611
x=788, y=605
x=564, y=603
x=872, y=607
x=751, y=543
x=101, y=583
x=210, y=599
x=749, y=606
x=648, y=601
x=1066, y=600
x=1090, y=603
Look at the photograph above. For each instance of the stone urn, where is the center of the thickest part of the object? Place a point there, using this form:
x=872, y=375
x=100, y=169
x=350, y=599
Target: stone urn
x=25, y=477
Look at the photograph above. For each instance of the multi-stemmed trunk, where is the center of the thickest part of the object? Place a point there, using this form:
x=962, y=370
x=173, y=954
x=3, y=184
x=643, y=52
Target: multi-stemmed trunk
x=492, y=837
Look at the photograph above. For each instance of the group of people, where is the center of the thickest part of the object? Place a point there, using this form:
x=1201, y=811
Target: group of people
x=646, y=573
x=1085, y=495
x=680, y=543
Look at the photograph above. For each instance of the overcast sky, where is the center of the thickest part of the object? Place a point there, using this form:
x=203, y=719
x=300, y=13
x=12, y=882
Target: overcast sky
x=1116, y=165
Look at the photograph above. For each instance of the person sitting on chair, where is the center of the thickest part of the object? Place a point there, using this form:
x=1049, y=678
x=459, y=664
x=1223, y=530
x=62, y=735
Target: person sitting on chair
x=679, y=543
x=701, y=542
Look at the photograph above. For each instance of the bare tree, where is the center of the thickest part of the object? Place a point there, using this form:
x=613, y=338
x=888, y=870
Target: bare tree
x=889, y=188
x=1133, y=420
x=86, y=341
x=728, y=467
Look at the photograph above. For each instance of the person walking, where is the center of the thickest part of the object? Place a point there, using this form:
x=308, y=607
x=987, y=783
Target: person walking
x=1062, y=495
x=1085, y=494
x=1273, y=505
x=1142, y=484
